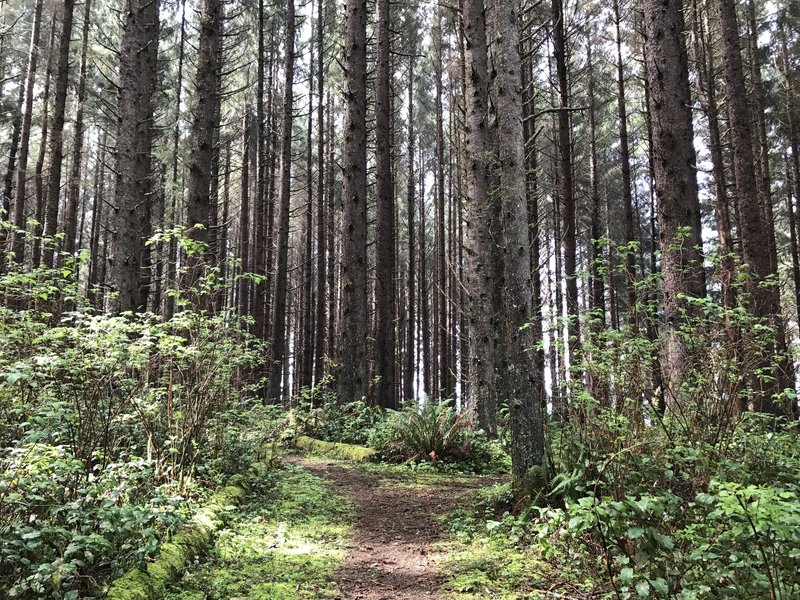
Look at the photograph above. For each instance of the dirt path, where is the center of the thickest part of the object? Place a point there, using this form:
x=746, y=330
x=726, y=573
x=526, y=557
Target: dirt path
x=395, y=529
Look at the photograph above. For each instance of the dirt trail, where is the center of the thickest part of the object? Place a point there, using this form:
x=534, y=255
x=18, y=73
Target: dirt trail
x=395, y=529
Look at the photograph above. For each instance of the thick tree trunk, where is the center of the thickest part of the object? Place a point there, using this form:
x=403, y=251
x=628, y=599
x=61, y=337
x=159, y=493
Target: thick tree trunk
x=201, y=141
x=137, y=81
x=352, y=376
x=385, y=304
x=481, y=403
x=523, y=386
x=764, y=301
x=675, y=182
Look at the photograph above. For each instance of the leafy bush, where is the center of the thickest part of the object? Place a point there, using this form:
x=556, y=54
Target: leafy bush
x=107, y=425
x=349, y=423
x=683, y=518
x=61, y=532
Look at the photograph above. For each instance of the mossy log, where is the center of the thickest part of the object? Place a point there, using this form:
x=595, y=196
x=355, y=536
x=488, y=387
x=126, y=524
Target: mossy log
x=335, y=449
x=173, y=557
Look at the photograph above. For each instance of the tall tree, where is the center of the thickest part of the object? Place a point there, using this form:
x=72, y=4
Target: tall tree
x=137, y=82
x=481, y=404
x=352, y=376
x=675, y=181
x=764, y=300
x=523, y=386
x=74, y=184
x=18, y=244
x=385, y=305
x=56, y=140
x=625, y=165
x=410, y=367
x=566, y=192
x=204, y=124
x=322, y=238
x=278, y=345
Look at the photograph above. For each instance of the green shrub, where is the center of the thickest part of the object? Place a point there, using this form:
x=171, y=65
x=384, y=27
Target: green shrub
x=349, y=423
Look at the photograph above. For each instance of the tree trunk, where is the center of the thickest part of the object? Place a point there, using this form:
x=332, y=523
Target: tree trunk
x=201, y=141
x=73, y=194
x=385, y=305
x=322, y=238
x=675, y=182
x=764, y=301
x=352, y=377
x=625, y=165
x=481, y=403
x=56, y=141
x=279, y=328
x=565, y=189
x=411, y=338
x=244, y=218
x=137, y=81
x=177, y=193
x=523, y=386
x=18, y=244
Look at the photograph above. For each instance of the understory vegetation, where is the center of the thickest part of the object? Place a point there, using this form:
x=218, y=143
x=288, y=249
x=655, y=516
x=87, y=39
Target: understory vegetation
x=116, y=429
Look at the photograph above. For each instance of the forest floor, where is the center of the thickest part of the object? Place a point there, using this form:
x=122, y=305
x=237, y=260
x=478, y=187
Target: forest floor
x=334, y=530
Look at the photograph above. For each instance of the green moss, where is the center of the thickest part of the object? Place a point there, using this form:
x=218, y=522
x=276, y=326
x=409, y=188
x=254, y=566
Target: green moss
x=337, y=450
x=173, y=556
x=285, y=544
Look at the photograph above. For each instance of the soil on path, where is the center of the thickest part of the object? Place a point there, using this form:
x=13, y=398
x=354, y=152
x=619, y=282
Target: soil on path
x=389, y=554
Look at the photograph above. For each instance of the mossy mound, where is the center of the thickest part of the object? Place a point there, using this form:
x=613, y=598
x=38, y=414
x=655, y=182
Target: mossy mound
x=336, y=450
x=191, y=540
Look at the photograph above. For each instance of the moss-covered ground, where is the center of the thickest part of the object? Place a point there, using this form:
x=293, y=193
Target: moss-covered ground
x=285, y=543
x=488, y=553
x=289, y=542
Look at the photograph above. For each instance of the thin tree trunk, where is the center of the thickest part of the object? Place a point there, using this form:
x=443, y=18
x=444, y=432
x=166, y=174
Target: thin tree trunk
x=322, y=238
x=244, y=218
x=565, y=190
x=279, y=328
x=18, y=244
x=56, y=140
x=177, y=193
x=410, y=355
x=625, y=165
x=77, y=147
x=38, y=172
